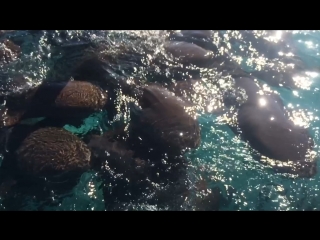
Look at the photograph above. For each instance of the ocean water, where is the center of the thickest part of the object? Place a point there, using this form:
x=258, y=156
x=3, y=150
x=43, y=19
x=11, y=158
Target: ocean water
x=224, y=158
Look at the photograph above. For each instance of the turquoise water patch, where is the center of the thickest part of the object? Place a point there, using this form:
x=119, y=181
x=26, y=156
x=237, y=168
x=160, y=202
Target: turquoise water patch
x=96, y=121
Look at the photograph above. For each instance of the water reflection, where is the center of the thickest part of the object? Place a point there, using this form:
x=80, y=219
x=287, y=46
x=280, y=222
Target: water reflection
x=284, y=65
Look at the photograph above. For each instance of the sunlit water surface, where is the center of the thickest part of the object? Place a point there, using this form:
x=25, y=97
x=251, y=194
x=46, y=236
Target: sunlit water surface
x=223, y=156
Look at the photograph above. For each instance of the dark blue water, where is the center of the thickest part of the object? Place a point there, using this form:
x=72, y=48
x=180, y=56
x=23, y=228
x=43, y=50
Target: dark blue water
x=223, y=156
